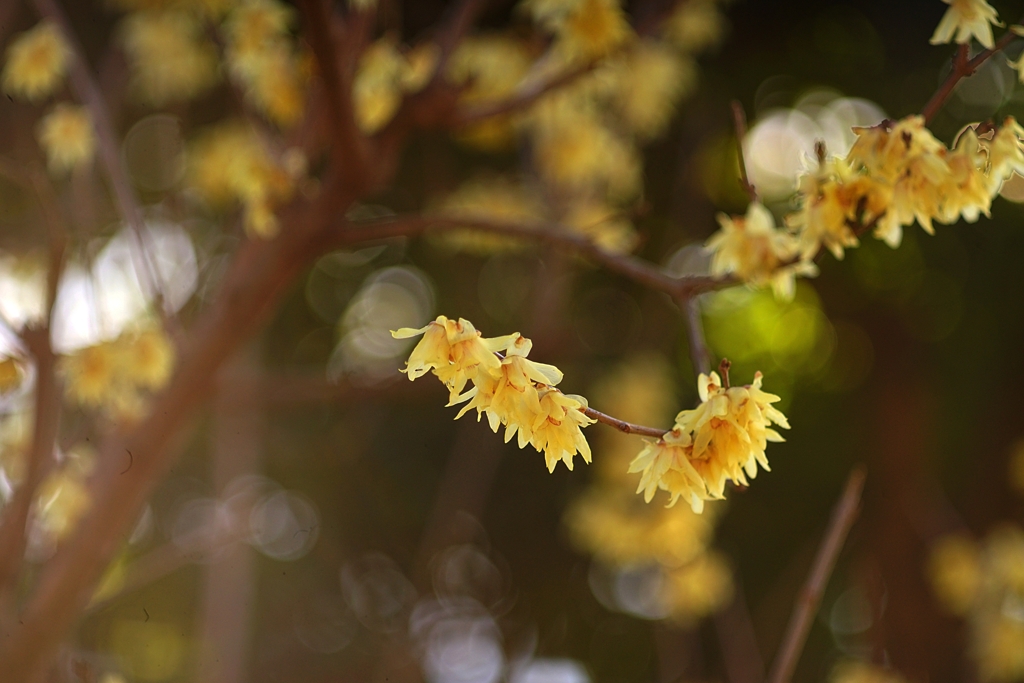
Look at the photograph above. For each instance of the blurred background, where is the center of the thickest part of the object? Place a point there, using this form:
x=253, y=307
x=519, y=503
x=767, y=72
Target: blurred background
x=327, y=520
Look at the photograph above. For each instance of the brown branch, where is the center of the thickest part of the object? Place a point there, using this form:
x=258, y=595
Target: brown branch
x=962, y=67
x=520, y=100
x=739, y=119
x=317, y=22
x=622, y=425
x=88, y=92
x=843, y=516
x=643, y=272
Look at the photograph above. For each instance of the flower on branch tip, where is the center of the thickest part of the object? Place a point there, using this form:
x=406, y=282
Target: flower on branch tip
x=967, y=19
x=722, y=439
x=36, y=62
x=755, y=251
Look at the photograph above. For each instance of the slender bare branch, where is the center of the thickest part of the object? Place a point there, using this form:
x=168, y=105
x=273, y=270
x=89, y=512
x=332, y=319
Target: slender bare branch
x=88, y=92
x=962, y=68
x=643, y=272
x=622, y=425
x=843, y=516
x=739, y=118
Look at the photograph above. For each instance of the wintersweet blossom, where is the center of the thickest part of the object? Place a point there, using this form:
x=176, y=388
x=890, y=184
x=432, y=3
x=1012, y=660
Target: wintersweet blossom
x=756, y=252
x=967, y=19
x=36, y=62
x=68, y=137
x=453, y=350
x=723, y=439
x=510, y=389
x=1005, y=154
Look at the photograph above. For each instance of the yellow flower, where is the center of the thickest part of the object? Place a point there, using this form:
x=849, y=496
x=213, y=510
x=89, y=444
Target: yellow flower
x=997, y=645
x=694, y=25
x=723, y=439
x=967, y=19
x=556, y=428
x=146, y=356
x=509, y=395
x=862, y=672
x=36, y=62
x=593, y=29
x=955, y=572
x=756, y=252
x=377, y=90
x=580, y=153
x=68, y=137
x=453, y=350
x=230, y=162
x=11, y=374
x=831, y=200
x=170, y=56
x=90, y=373
x=253, y=26
x=1005, y=153
x=489, y=68
x=698, y=588
x=647, y=103
x=966, y=191
x=61, y=501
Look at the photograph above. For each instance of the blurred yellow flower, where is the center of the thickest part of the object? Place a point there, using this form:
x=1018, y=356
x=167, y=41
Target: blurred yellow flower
x=490, y=68
x=36, y=62
x=756, y=252
x=68, y=137
x=490, y=199
x=11, y=374
x=966, y=19
x=377, y=90
x=998, y=647
x=698, y=588
x=146, y=356
x=89, y=373
x=170, y=56
x=580, y=153
x=606, y=227
x=723, y=439
x=694, y=25
x=955, y=572
x=647, y=103
x=593, y=29
x=861, y=672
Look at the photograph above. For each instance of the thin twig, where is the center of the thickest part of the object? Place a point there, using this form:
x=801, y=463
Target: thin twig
x=680, y=288
x=962, y=67
x=622, y=425
x=739, y=119
x=522, y=99
x=843, y=515
x=88, y=91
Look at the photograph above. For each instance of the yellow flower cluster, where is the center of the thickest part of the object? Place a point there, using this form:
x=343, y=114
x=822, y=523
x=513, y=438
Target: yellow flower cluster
x=112, y=375
x=851, y=671
x=609, y=522
x=63, y=497
x=36, y=62
x=171, y=57
x=68, y=137
x=490, y=199
x=384, y=76
x=263, y=58
x=984, y=583
x=512, y=390
x=230, y=163
x=757, y=252
x=584, y=29
x=11, y=374
x=723, y=439
x=895, y=174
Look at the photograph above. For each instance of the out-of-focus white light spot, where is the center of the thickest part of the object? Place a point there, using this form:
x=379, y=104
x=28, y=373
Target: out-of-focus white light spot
x=96, y=304
x=465, y=571
x=459, y=642
x=22, y=289
x=377, y=592
x=325, y=624
x=639, y=591
x=390, y=298
x=851, y=613
x=780, y=146
x=199, y=527
x=550, y=671
x=284, y=525
x=154, y=152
